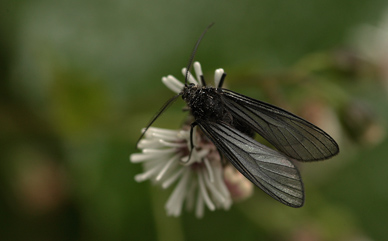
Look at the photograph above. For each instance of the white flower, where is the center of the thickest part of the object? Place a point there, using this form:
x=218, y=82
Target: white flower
x=175, y=85
x=199, y=179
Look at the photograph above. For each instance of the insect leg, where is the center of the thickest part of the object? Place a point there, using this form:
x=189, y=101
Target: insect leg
x=191, y=140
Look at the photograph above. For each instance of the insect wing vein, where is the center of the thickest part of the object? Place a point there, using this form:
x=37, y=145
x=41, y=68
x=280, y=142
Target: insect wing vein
x=268, y=169
x=290, y=134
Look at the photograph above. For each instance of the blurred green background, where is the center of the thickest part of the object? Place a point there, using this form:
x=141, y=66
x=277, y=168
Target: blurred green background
x=79, y=79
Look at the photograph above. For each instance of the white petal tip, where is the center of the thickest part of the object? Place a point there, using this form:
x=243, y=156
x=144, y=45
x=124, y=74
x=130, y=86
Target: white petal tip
x=140, y=178
x=136, y=158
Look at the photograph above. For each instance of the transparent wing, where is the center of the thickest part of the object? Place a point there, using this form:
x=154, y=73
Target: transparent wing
x=290, y=134
x=268, y=169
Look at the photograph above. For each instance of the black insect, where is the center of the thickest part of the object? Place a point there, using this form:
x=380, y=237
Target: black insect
x=229, y=119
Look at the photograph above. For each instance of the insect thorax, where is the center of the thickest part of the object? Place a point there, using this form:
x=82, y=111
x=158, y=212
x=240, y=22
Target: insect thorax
x=205, y=103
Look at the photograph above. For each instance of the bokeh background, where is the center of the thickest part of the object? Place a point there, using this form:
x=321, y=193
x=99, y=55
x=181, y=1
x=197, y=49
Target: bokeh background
x=79, y=79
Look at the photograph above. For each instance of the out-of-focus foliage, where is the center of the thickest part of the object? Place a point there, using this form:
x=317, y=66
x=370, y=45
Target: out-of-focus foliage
x=79, y=79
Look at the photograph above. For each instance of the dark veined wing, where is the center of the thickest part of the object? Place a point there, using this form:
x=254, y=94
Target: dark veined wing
x=290, y=134
x=268, y=169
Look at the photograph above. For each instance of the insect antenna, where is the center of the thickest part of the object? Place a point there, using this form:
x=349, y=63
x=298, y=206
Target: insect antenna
x=164, y=107
x=172, y=100
x=194, y=52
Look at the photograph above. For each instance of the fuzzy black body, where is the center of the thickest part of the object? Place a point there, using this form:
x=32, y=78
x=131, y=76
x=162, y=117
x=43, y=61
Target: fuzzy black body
x=206, y=104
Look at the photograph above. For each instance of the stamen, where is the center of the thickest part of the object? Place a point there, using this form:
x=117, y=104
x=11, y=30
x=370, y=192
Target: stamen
x=209, y=169
x=196, y=156
x=199, y=210
x=202, y=153
x=159, y=151
x=162, y=133
x=204, y=193
x=219, y=181
x=162, y=130
x=174, y=203
x=172, y=179
x=193, y=158
x=198, y=72
x=144, y=143
x=168, y=164
x=146, y=175
x=173, y=84
x=214, y=190
x=217, y=76
x=164, y=137
x=186, y=158
x=190, y=196
x=190, y=77
x=143, y=157
x=183, y=135
x=173, y=144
